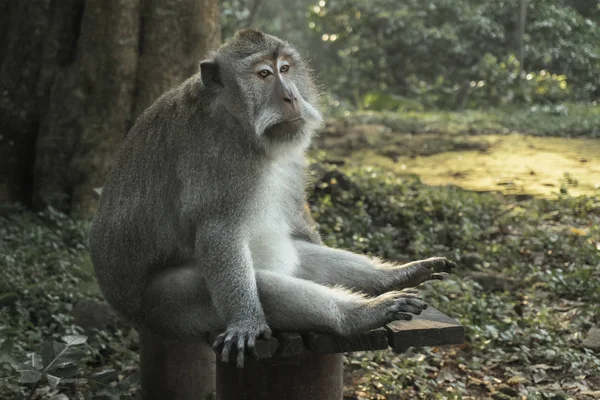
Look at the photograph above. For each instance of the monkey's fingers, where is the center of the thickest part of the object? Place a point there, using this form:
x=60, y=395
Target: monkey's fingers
x=267, y=333
x=227, y=348
x=251, y=345
x=444, y=265
x=241, y=343
x=219, y=340
x=439, y=276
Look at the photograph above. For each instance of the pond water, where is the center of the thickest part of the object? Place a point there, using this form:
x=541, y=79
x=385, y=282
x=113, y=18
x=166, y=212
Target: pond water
x=511, y=164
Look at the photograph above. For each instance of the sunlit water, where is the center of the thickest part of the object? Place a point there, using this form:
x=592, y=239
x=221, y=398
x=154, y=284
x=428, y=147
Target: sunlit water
x=514, y=164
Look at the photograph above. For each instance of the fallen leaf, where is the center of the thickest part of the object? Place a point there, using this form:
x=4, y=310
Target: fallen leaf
x=515, y=380
x=580, y=232
x=593, y=393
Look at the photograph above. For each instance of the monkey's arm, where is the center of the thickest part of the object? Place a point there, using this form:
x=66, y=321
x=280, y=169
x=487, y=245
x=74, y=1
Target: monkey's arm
x=329, y=266
x=231, y=282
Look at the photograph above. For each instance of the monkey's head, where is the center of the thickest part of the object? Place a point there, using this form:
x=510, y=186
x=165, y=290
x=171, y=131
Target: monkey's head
x=265, y=85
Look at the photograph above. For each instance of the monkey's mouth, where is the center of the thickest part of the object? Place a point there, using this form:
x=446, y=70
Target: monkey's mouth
x=297, y=120
x=285, y=128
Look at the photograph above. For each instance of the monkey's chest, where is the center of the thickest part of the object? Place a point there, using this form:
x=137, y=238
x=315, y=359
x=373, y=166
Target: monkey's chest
x=272, y=249
x=270, y=229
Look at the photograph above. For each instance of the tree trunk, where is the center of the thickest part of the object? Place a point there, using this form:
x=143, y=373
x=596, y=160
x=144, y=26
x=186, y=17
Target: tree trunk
x=176, y=34
x=521, y=32
x=79, y=73
x=23, y=39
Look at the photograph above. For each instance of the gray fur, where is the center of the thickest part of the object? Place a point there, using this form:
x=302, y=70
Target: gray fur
x=201, y=225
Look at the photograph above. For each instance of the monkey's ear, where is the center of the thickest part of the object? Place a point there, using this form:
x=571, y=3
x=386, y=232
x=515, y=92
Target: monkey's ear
x=209, y=71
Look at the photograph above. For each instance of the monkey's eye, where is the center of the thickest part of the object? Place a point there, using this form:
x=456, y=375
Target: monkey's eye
x=263, y=73
x=284, y=68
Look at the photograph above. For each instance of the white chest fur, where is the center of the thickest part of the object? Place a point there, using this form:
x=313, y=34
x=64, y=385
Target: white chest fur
x=269, y=233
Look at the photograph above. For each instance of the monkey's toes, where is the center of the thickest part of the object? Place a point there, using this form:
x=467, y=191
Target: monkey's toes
x=441, y=264
x=440, y=276
x=405, y=304
x=412, y=305
x=400, y=316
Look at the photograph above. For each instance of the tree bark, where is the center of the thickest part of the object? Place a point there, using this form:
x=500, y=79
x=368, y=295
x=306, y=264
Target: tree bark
x=176, y=34
x=89, y=107
x=23, y=39
x=79, y=73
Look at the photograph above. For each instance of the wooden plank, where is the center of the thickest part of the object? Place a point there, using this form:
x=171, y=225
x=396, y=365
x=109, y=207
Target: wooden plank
x=290, y=344
x=322, y=343
x=431, y=328
x=265, y=348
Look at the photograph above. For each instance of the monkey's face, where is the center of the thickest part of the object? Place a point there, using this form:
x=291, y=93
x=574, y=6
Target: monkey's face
x=266, y=86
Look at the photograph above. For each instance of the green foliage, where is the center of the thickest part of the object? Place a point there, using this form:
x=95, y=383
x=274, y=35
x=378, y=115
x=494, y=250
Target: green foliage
x=56, y=362
x=44, y=272
x=282, y=19
x=501, y=82
x=565, y=120
x=456, y=53
x=547, y=250
x=34, y=247
x=388, y=217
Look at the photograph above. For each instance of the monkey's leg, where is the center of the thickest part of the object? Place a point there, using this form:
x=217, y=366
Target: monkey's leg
x=294, y=304
x=177, y=304
x=329, y=266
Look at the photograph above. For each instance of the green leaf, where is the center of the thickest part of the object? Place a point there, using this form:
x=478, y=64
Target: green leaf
x=5, y=358
x=104, y=377
x=65, y=371
x=53, y=381
x=29, y=376
x=57, y=355
x=51, y=351
x=74, y=340
x=5, y=346
x=109, y=392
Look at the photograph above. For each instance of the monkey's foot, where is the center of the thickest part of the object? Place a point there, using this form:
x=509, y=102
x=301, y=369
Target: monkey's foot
x=381, y=310
x=401, y=305
x=417, y=272
x=243, y=335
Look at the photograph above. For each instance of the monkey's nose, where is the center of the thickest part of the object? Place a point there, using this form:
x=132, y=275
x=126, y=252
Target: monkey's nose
x=290, y=99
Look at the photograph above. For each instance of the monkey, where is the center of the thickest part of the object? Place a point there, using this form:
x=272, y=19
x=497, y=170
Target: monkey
x=201, y=228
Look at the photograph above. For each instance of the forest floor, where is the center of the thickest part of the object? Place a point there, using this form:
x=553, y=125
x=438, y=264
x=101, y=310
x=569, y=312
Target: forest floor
x=541, y=173
x=515, y=203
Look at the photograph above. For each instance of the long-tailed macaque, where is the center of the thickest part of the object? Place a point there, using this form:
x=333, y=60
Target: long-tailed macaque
x=200, y=225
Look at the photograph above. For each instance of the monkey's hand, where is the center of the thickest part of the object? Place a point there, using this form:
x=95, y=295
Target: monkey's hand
x=417, y=272
x=243, y=335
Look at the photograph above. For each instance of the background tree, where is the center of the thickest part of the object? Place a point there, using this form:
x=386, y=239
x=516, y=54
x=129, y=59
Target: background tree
x=74, y=76
x=383, y=51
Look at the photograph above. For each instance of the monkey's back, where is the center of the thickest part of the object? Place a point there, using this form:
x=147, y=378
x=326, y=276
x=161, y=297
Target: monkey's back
x=142, y=223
